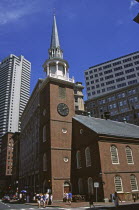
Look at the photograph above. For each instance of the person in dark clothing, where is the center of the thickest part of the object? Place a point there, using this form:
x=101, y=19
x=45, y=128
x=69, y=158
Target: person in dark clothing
x=91, y=200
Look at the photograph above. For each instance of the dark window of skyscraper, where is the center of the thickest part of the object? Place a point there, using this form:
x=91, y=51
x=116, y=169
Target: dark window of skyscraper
x=121, y=85
x=132, y=82
x=110, y=82
x=86, y=73
x=129, y=70
x=111, y=88
x=107, y=66
x=135, y=57
x=126, y=60
x=137, y=62
x=107, y=72
x=118, y=68
x=119, y=73
x=131, y=76
x=117, y=63
x=128, y=65
x=93, y=93
x=120, y=79
x=108, y=77
x=103, y=90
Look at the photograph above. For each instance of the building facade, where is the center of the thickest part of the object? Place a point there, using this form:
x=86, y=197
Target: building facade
x=6, y=162
x=122, y=105
x=106, y=153
x=45, y=140
x=112, y=75
x=14, y=94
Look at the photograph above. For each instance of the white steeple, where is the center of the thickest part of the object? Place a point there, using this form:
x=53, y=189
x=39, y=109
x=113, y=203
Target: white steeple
x=56, y=66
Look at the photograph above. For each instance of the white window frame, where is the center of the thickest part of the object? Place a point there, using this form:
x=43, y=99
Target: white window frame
x=80, y=186
x=90, y=186
x=121, y=184
x=78, y=159
x=44, y=133
x=87, y=157
x=113, y=156
x=135, y=182
x=129, y=156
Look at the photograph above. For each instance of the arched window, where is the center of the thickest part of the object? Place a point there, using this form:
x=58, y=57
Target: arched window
x=118, y=184
x=133, y=181
x=80, y=186
x=78, y=159
x=129, y=155
x=87, y=157
x=90, y=186
x=44, y=133
x=44, y=162
x=114, y=154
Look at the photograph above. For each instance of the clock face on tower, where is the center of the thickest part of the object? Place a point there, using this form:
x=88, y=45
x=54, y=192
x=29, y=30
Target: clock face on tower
x=63, y=109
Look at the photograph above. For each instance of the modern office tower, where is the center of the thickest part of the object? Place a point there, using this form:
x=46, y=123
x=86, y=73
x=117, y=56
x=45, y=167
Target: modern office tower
x=121, y=105
x=112, y=75
x=14, y=92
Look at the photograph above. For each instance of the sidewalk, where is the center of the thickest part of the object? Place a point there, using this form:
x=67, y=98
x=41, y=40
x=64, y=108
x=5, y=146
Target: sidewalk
x=86, y=204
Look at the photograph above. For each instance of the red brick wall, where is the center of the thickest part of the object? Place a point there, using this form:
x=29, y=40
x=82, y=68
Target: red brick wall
x=124, y=170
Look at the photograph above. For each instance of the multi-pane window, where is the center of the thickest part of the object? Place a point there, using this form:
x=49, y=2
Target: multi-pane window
x=118, y=184
x=114, y=154
x=44, y=133
x=133, y=182
x=87, y=157
x=90, y=186
x=44, y=162
x=78, y=159
x=129, y=155
x=80, y=186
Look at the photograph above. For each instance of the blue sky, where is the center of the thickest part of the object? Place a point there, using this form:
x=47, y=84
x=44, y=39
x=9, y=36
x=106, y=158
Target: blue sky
x=90, y=31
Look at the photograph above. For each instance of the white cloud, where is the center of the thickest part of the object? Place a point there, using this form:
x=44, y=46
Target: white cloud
x=132, y=3
x=13, y=10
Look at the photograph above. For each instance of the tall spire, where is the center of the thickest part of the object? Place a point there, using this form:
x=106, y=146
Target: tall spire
x=55, y=51
x=54, y=38
x=56, y=66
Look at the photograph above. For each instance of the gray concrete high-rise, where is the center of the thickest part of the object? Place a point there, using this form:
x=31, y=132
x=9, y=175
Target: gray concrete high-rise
x=112, y=75
x=14, y=92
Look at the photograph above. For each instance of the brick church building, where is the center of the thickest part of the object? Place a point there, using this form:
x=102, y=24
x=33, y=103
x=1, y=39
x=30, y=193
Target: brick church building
x=61, y=151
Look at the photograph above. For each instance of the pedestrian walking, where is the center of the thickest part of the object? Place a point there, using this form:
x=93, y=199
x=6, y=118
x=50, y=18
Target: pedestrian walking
x=134, y=198
x=69, y=197
x=91, y=201
x=50, y=199
x=38, y=197
x=116, y=199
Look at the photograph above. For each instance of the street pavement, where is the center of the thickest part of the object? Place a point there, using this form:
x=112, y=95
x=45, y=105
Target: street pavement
x=66, y=206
